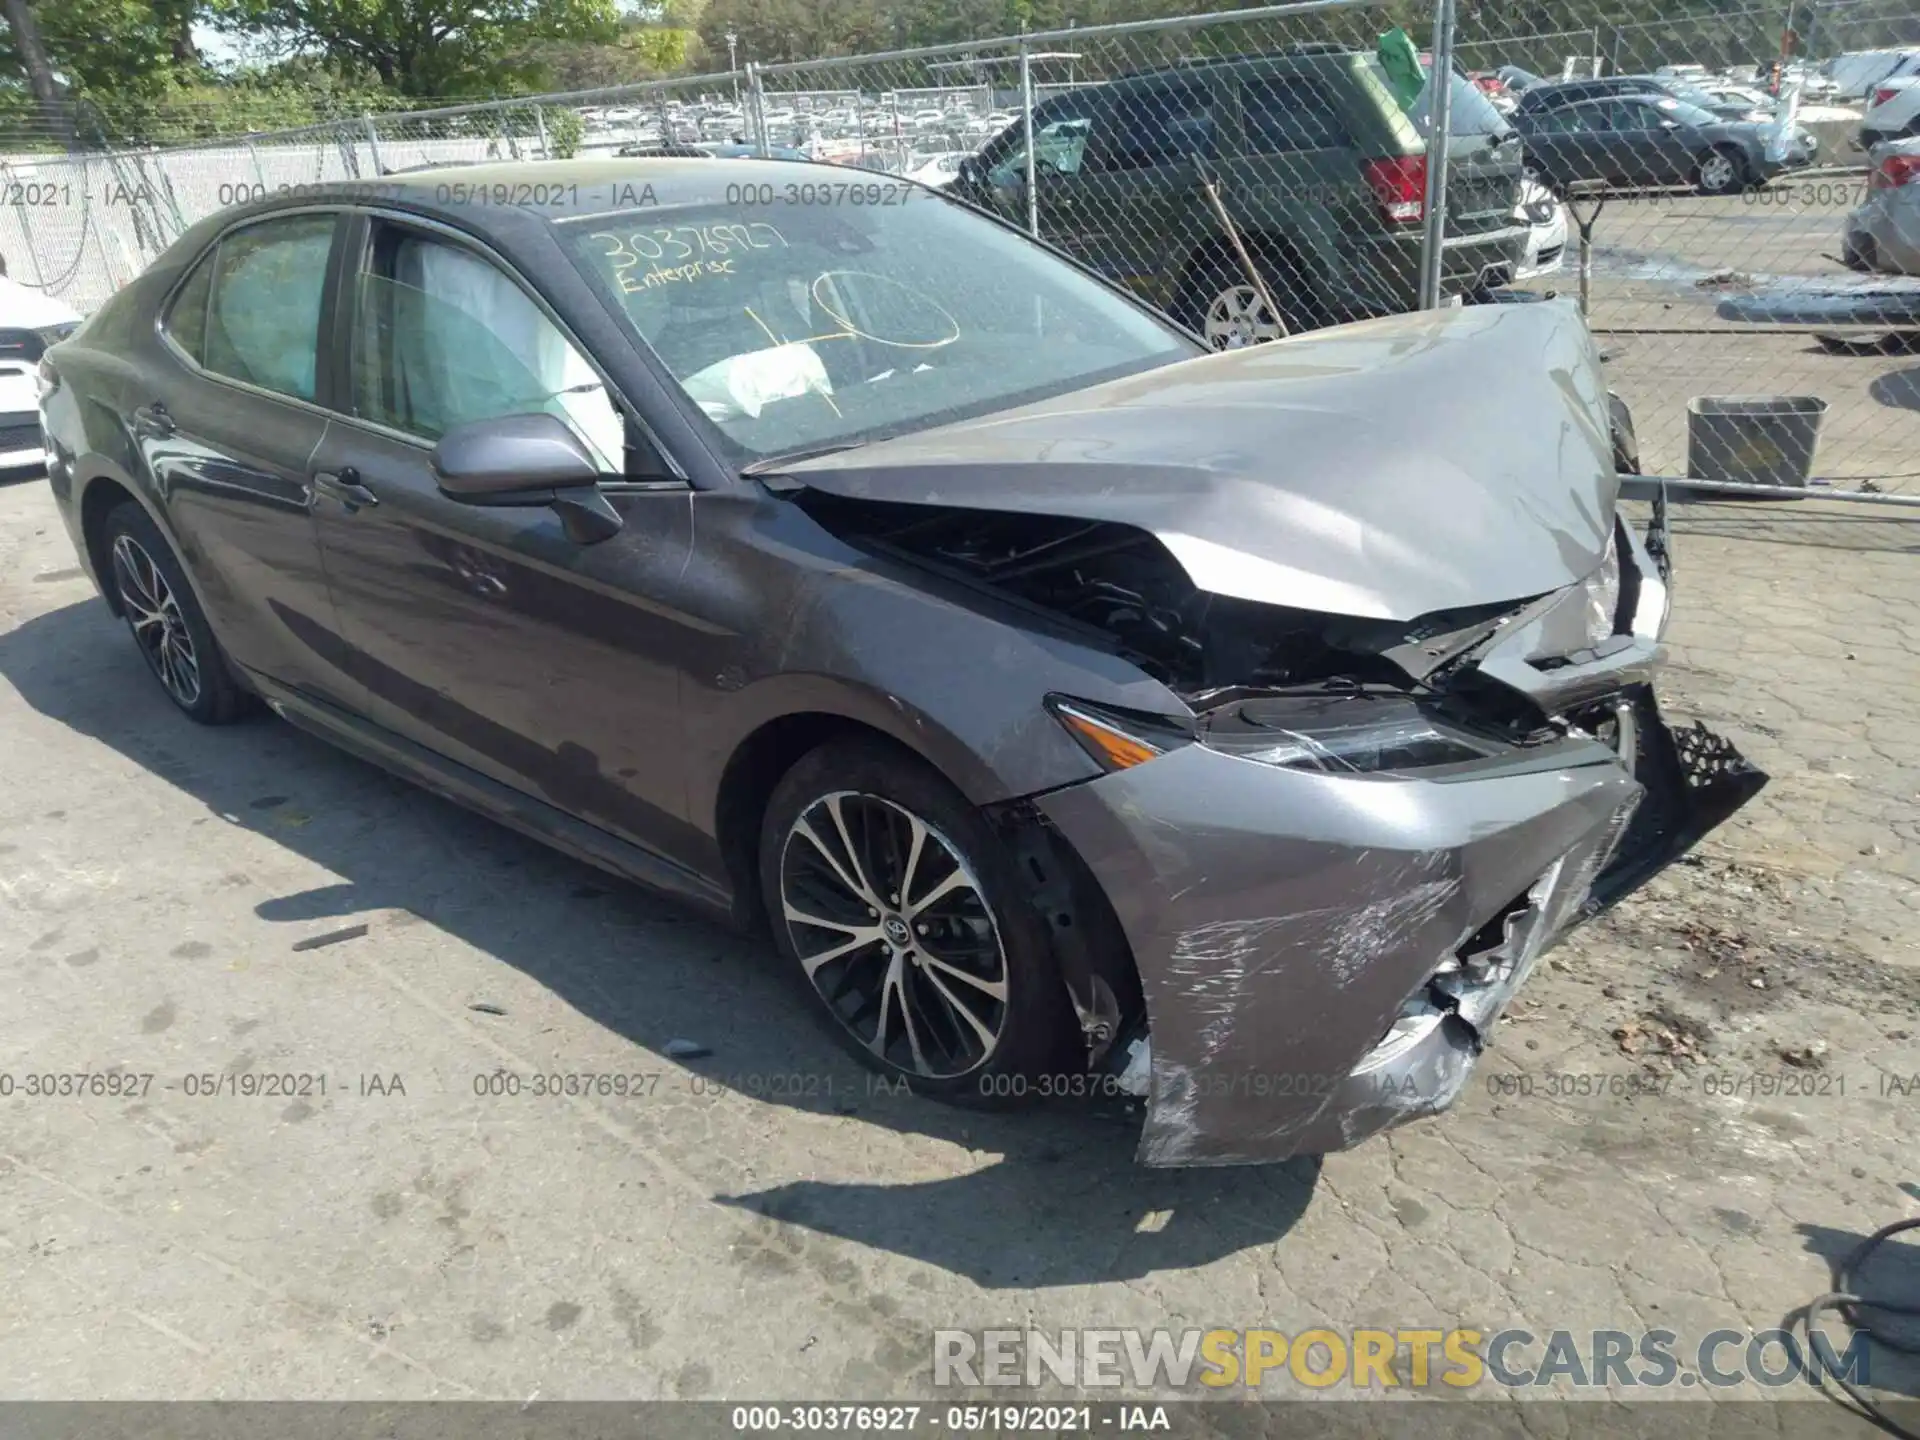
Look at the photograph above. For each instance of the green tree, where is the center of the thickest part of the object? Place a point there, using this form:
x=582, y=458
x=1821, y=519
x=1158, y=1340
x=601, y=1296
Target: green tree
x=429, y=48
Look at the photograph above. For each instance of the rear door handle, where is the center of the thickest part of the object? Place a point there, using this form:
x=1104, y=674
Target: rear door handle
x=153, y=421
x=344, y=485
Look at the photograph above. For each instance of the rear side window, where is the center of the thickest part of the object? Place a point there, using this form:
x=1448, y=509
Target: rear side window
x=1155, y=127
x=186, y=322
x=263, y=312
x=1289, y=112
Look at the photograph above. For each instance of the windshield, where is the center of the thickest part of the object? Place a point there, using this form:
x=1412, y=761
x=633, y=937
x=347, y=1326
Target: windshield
x=1687, y=114
x=798, y=326
x=1694, y=95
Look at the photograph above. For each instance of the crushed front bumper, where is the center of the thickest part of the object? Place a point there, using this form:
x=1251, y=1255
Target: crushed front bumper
x=1324, y=957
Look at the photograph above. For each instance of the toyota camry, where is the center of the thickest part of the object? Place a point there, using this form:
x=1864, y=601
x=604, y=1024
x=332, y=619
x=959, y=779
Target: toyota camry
x=1234, y=730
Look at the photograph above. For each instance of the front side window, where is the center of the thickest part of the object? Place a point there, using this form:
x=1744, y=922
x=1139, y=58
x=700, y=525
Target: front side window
x=443, y=337
x=795, y=325
x=1577, y=119
x=263, y=310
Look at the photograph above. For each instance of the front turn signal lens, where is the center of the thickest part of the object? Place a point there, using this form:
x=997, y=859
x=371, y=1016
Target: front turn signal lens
x=1104, y=739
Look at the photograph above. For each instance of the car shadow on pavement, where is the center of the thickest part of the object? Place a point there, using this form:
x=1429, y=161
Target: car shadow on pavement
x=1898, y=389
x=1063, y=1204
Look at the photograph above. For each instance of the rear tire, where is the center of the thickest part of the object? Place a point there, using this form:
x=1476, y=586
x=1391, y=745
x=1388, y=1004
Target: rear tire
x=168, y=625
x=1220, y=303
x=901, y=913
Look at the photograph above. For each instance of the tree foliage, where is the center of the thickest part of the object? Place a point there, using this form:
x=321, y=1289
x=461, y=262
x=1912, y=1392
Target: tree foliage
x=427, y=48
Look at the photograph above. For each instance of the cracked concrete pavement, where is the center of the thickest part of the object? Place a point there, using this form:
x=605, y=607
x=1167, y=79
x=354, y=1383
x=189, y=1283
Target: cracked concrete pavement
x=761, y=1222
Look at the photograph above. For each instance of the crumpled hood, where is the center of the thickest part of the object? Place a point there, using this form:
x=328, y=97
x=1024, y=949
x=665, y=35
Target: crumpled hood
x=1387, y=469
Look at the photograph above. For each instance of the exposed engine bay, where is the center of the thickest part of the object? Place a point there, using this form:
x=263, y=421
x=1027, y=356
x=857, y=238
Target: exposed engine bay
x=1218, y=653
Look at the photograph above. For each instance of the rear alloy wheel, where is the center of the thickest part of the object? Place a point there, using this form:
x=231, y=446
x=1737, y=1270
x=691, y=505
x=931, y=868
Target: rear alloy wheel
x=898, y=905
x=1239, y=316
x=1721, y=172
x=166, y=620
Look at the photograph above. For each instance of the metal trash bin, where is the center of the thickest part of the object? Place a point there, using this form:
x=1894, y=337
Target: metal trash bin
x=1753, y=439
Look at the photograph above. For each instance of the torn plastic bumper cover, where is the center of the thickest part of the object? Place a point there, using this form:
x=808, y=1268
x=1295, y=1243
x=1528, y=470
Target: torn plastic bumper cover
x=1307, y=989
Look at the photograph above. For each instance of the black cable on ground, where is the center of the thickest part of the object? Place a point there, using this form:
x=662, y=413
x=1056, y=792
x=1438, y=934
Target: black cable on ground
x=1854, y=1309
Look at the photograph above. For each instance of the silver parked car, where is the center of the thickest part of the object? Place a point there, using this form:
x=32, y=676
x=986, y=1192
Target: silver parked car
x=1883, y=231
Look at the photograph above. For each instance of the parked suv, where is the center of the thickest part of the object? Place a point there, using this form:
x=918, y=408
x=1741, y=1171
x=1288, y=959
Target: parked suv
x=1320, y=169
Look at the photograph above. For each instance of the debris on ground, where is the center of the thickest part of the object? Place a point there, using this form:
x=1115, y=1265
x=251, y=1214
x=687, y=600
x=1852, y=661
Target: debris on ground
x=686, y=1050
x=1661, y=1039
x=1812, y=1056
x=332, y=937
x=485, y=1009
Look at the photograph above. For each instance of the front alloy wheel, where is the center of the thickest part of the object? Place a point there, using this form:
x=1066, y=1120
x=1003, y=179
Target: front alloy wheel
x=1239, y=316
x=153, y=614
x=892, y=929
x=1719, y=174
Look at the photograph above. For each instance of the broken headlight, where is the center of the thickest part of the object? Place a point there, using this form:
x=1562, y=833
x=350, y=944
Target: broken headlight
x=1351, y=734
x=1602, y=589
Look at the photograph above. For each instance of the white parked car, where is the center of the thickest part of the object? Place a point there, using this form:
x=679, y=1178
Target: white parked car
x=1883, y=233
x=29, y=323
x=938, y=170
x=1856, y=73
x=1893, y=109
x=1547, y=234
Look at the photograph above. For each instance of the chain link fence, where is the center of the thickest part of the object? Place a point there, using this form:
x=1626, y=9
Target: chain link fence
x=1261, y=172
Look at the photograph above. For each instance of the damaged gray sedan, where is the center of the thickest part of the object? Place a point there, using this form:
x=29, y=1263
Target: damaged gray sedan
x=1080, y=710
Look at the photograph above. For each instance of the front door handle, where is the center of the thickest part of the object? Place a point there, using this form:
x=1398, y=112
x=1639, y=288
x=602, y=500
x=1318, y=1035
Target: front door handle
x=344, y=485
x=153, y=421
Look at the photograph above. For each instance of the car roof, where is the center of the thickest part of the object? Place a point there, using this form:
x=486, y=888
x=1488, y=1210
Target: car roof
x=557, y=189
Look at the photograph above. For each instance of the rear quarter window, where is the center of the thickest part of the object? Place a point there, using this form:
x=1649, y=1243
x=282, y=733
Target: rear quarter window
x=1285, y=113
x=185, y=322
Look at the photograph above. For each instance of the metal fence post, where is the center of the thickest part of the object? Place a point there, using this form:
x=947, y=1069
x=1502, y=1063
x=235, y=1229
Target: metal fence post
x=1439, y=147
x=757, y=106
x=540, y=122
x=1026, y=120
x=373, y=143
x=259, y=175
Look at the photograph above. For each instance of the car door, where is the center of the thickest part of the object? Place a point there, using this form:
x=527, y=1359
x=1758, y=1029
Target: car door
x=1567, y=144
x=1650, y=146
x=1128, y=209
x=1295, y=173
x=482, y=631
x=225, y=422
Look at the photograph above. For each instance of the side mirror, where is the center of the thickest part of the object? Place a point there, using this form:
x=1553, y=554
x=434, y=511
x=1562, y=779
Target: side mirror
x=531, y=459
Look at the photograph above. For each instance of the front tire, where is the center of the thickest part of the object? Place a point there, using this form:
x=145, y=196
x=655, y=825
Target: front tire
x=900, y=910
x=1720, y=172
x=166, y=620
